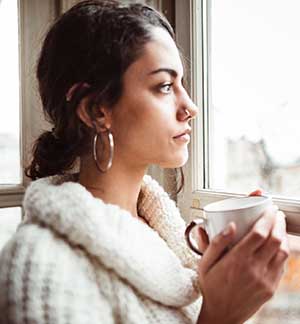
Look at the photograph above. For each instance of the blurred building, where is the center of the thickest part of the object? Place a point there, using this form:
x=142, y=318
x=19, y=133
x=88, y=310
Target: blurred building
x=250, y=166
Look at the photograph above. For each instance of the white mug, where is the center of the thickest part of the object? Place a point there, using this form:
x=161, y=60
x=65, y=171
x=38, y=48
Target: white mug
x=243, y=211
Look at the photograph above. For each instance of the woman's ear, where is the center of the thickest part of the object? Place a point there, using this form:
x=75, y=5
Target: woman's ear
x=101, y=121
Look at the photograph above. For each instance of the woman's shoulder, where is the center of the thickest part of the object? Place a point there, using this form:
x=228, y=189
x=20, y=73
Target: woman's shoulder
x=47, y=193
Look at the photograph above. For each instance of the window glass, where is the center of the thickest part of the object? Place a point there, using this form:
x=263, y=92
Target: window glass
x=10, y=218
x=254, y=96
x=10, y=170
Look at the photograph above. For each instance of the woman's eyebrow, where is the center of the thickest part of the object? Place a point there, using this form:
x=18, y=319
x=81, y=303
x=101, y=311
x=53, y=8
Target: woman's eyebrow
x=172, y=72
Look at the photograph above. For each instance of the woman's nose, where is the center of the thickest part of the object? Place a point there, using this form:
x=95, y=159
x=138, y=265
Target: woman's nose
x=193, y=109
x=188, y=111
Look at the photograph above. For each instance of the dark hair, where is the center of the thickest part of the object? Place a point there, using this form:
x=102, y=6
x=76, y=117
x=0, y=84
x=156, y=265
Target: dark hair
x=92, y=43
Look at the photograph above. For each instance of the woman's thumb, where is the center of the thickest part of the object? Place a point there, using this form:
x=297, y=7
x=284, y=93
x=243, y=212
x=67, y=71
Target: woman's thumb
x=217, y=247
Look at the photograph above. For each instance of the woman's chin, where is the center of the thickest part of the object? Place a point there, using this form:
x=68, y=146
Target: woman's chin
x=176, y=162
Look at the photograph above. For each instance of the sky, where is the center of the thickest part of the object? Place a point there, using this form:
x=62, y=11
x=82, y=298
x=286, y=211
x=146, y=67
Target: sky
x=255, y=63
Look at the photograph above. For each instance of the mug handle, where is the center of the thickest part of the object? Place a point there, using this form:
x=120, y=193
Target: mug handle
x=201, y=221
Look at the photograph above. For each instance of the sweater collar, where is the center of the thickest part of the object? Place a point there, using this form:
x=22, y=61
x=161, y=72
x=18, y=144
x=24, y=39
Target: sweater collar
x=155, y=261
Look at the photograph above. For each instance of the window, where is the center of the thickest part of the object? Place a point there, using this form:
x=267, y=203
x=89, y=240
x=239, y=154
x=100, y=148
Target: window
x=10, y=167
x=244, y=61
x=20, y=113
x=10, y=140
x=211, y=174
x=254, y=96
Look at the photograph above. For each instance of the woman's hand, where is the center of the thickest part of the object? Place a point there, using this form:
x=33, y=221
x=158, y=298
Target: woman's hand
x=235, y=285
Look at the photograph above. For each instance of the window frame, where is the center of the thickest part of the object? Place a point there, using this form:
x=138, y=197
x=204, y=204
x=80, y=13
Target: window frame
x=34, y=19
x=197, y=49
x=12, y=195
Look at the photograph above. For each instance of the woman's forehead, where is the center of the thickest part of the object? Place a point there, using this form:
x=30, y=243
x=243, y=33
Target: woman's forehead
x=159, y=53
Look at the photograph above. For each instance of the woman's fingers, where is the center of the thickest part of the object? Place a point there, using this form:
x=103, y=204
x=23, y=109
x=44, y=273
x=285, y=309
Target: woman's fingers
x=217, y=247
x=258, y=234
x=276, y=266
x=279, y=258
x=275, y=241
x=284, y=250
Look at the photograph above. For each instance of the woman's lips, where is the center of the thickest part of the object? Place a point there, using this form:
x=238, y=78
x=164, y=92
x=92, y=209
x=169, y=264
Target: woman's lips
x=183, y=138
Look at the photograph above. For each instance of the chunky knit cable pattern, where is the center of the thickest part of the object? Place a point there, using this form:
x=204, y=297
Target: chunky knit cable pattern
x=78, y=260
x=161, y=213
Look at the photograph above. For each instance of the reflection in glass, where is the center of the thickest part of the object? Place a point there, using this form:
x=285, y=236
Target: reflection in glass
x=255, y=98
x=10, y=170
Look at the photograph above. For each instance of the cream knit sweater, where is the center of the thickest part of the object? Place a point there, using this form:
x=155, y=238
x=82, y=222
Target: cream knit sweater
x=77, y=260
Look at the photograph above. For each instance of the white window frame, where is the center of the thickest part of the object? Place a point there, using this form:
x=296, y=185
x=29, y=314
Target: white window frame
x=34, y=19
x=195, y=14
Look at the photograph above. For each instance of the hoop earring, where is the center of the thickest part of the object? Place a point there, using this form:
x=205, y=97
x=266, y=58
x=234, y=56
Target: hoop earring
x=111, y=151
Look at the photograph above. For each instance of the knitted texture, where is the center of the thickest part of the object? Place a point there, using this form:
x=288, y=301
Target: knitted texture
x=76, y=259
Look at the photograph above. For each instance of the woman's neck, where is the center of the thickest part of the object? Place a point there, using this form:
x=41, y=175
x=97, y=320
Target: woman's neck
x=120, y=185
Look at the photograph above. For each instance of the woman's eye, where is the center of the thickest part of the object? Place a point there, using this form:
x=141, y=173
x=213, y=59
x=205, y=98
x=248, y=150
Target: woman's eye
x=166, y=88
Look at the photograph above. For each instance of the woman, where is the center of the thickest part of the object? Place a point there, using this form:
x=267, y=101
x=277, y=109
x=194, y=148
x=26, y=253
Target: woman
x=107, y=245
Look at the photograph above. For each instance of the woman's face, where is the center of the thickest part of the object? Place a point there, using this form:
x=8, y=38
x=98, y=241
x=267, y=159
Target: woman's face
x=153, y=108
